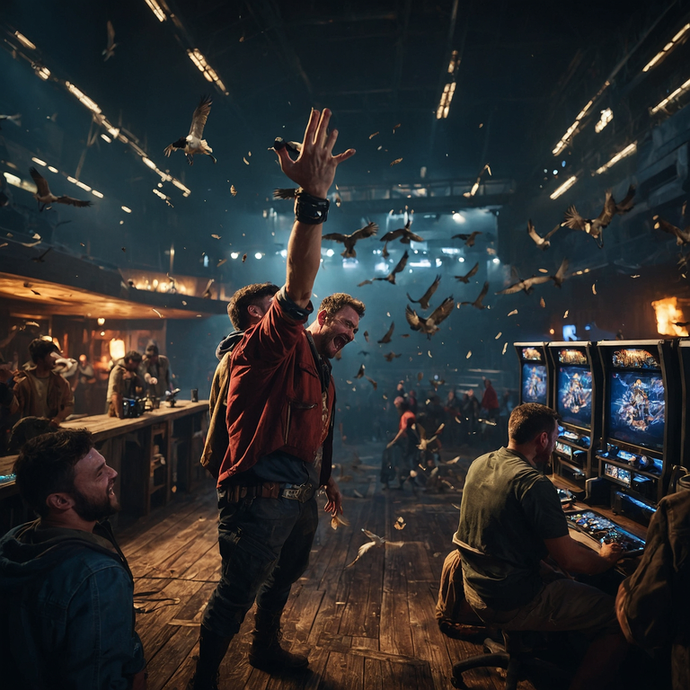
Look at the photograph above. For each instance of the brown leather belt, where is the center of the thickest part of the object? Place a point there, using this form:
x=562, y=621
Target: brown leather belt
x=296, y=492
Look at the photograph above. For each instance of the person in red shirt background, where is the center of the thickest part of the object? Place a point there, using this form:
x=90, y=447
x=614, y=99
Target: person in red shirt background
x=490, y=401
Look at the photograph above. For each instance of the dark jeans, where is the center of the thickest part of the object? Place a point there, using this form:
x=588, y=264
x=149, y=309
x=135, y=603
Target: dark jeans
x=265, y=545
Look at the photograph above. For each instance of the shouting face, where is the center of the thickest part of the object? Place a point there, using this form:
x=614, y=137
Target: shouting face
x=336, y=331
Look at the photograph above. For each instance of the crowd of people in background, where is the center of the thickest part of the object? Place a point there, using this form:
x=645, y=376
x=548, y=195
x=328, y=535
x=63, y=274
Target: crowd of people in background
x=51, y=387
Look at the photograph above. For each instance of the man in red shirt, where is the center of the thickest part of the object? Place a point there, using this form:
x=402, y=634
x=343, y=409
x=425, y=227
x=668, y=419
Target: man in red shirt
x=280, y=430
x=406, y=441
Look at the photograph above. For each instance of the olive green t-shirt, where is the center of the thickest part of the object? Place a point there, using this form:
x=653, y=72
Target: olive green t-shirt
x=508, y=509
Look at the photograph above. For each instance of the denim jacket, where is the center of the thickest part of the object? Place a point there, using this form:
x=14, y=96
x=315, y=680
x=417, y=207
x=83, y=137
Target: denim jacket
x=66, y=611
x=653, y=603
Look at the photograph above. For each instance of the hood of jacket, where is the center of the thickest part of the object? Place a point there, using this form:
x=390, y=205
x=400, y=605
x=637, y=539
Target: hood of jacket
x=28, y=551
x=228, y=344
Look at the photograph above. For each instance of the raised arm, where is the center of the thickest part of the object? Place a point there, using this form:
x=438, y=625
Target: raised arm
x=314, y=171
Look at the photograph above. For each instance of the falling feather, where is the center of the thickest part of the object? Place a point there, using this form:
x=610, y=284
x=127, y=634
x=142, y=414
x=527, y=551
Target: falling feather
x=469, y=354
x=371, y=136
x=246, y=162
x=512, y=313
x=337, y=521
x=216, y=237
x=505, y=347
x=233, y=190
x=400, y=523
x=542, y=303
x=498, y=335
x=244, y=258
x=396, y=161
x=594, y=288
x=160, y=316
x=565, y=313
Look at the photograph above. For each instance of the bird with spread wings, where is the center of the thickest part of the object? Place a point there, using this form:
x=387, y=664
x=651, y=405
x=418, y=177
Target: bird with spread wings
x=423, y=301
x=559, y=276
x=430, y=324
x=374, y=542
x=389, y=334
x=526, y=285
x=468, y=239
x=111, y=45
x=369, y=230
x=193, y=143
x=391, y=276
x=595, y=227
x=404, y=234
x=46, y=198
x=682, y=236
x=466, y=278
x=478, y=303
x=542, y=242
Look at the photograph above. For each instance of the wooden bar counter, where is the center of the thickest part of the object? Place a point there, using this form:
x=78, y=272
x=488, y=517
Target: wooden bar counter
x=155, y=455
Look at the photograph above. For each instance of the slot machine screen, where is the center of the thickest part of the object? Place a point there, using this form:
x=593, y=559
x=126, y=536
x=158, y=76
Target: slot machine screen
x=638, y=408
x=574, y=402
x=533, y=383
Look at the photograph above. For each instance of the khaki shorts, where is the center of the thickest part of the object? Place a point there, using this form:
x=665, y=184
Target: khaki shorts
x=560, y=605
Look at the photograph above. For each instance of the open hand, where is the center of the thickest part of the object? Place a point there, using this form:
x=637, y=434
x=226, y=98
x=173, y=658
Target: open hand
x=334, y=505
x=314, y=169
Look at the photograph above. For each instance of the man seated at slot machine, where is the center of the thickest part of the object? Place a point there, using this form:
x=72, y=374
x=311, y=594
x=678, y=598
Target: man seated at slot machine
x=124, y=382
x=510, y=520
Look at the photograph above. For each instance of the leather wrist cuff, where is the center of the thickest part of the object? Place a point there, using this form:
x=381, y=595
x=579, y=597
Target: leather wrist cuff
x=310, y=209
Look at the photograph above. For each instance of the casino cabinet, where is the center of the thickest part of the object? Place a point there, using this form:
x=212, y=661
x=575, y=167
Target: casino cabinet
x=535, y=373
x=576, y=396
x=641, y=416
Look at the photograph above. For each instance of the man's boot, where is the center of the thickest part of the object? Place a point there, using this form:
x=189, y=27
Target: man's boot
x=212, y=649
x=266, y=653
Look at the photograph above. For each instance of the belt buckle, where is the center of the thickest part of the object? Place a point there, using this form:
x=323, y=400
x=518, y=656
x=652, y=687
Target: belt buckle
x=300, y=493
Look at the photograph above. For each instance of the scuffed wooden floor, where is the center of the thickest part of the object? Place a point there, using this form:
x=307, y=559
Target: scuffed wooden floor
x=369, y=627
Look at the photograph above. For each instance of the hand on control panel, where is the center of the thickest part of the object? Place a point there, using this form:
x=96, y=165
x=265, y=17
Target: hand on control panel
x=612, y=551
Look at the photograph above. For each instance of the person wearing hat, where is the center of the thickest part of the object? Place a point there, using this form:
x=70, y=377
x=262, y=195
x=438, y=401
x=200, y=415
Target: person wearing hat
x=155, y=370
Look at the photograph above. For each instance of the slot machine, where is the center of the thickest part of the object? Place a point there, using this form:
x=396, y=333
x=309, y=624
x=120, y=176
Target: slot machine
x=640, y=423
x=684, y=361
x=535, y=373
x=577, y=396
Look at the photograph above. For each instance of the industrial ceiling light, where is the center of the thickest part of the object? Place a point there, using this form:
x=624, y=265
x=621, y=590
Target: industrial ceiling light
x=202, y=65
x=667, y=48
x=24, y=41
x=570, y=132
x=38, y=161
x=671, y=97
x=564, y=187
x=627, y=151
x=157, y=10
x=83, y=98
x=446, y=98
x=42, y=72
x=126, y=209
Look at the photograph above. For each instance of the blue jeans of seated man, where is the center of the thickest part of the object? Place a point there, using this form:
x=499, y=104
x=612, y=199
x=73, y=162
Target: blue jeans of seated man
x=264, y=545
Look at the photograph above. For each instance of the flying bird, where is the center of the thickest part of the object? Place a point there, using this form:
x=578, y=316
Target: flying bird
x=193, y=144
x=595, y=227
x=475, y=186
x=349, y=241
x=425, y=442
x=374, y=542
x=423, y=301
x=477, y=304
x=389, y=334
x=468, y=239
x=391, y=356
x=41, y=259
x=466, y=278
x=541, y=242
x=400, y=266
x=437, y=383
x=559, y=277
x=111, y=45
x=17, y=119
x=366, y=336
x=285, y=193
x=46, y=198
x=526, y=285
x=682, y=236
x=405, y=234
x=360, y=373
x=430, y=324
x=372, y=382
